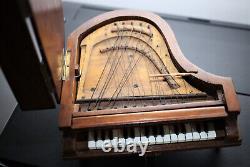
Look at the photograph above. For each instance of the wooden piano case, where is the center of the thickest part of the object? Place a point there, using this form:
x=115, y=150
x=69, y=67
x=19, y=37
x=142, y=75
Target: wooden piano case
x=74, y=121
x=181, y=91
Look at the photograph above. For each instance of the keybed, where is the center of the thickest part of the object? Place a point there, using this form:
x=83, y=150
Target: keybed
x=155, y=134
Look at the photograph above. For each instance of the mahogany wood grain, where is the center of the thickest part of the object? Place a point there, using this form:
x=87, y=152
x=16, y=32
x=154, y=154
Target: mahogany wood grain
x=148, y=117
x=19, y=60
x=68, y=93
x=48, y=21
x=148, y=108
x=83, y=152
x=71, y=120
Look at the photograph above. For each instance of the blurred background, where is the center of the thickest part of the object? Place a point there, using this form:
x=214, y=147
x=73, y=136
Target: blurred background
x=213, y=34
x=220, y=11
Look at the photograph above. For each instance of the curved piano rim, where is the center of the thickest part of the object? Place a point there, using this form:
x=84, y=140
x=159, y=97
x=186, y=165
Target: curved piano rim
x=73, y=43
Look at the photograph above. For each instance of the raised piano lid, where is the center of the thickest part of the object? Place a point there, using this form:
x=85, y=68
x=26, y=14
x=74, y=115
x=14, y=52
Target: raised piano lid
x=33, y=51
x=49, y=24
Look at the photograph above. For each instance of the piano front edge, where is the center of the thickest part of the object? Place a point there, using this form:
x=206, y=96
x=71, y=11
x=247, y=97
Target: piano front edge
x=76, y=139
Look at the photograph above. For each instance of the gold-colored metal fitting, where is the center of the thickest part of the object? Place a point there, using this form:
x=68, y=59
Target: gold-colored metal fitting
x=66, y=64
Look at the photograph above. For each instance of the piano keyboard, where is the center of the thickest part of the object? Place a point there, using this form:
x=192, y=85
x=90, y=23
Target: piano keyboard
x=151, y=135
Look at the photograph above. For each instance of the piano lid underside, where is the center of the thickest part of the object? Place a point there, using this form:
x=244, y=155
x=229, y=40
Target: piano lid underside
x=127, y=64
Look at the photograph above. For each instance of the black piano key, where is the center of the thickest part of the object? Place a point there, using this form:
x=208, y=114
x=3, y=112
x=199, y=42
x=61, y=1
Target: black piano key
x=176, y=130
x=146, y=131
x=154, y=130
x=110, y=133
x=183, y=129
x=103, y=134
x=161, y=130
x=95, y=134
x=125, y=132
x=132, y=132
x=205, y=126
x=198, y=128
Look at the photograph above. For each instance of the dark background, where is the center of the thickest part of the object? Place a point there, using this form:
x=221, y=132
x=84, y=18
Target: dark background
x=34, y=138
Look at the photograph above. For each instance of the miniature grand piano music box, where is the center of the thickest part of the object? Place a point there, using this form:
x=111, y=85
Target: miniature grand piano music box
x=123, y=79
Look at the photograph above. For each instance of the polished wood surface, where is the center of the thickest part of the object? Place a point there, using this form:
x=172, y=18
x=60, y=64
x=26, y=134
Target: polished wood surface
x=214, y=96
x=48, y=21
x=79, y=113
x=34, y=56
x=156, y=84
x=152, y=151
x=19, y=58
x=148, y=117
x=200, y=79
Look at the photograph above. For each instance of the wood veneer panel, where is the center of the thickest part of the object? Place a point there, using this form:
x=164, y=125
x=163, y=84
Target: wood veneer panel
x=148, y=117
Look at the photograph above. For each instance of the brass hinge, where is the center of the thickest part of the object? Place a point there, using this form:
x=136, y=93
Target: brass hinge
x=66, y=64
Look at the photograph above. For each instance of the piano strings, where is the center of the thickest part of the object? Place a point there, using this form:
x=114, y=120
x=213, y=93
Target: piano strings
x=120, y=76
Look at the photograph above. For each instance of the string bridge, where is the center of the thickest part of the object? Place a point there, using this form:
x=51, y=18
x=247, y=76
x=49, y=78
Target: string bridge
x=174, y=74
x=171, y=97
x=141, y=101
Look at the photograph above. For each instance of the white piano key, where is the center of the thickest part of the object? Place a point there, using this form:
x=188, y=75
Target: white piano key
x=196, y=134
x=144, y=139
x=188, y=134
x=181, y=137
x=114, y=141
x=121, y=139
x=173, y=135
x=203, y=134
x=211, y=134
x=166, y=137
x=137, y=137
x=99, y=141
x=107, y=140
x=159, y=137
x=151, y=137
x=91, y=140
x=129, y=141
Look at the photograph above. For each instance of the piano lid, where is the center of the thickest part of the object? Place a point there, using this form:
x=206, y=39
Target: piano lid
x=49, y=25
